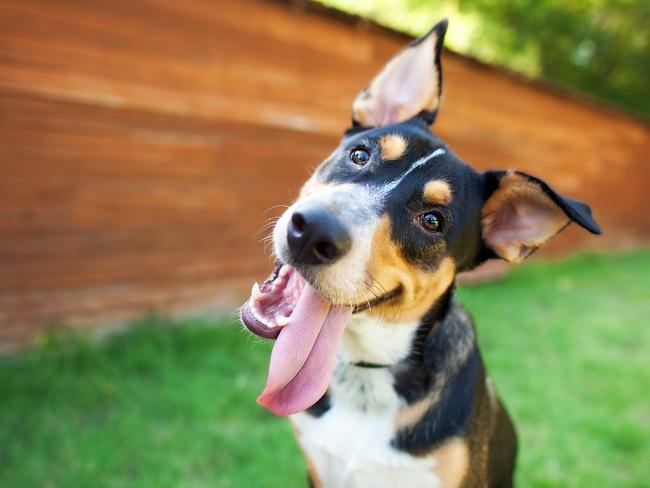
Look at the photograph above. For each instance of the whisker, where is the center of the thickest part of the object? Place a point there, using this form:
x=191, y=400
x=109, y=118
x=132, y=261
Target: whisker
x=268, y=243
x=273, y=208
x=267, y=237
x=270, y=223
x=371, y=283
x=376, y=282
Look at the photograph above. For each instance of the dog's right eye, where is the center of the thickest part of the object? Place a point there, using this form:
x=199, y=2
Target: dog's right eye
x=360, y=155
x=431, y=221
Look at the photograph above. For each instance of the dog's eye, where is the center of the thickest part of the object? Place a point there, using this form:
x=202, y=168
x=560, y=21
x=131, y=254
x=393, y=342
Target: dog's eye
x=360, y=155
x=431, y=221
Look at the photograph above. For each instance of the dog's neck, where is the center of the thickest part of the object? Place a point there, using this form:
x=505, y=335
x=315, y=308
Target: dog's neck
x=382, y=365
x=373, y=341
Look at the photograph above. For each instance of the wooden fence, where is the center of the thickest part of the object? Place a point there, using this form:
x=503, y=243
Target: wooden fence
x=142, y=145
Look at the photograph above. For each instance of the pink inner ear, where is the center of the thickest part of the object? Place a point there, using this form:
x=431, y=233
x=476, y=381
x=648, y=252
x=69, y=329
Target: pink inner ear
x=518, y=218
x=405, y=87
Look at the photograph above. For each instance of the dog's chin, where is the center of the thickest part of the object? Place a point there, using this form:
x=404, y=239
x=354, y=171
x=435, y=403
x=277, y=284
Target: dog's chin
x=358, y=301
x=324, y=279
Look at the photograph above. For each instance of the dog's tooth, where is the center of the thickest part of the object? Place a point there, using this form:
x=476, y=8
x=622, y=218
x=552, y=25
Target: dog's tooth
x=255, y=291
x=262, y=320
x=256, y=313
x=282, y=321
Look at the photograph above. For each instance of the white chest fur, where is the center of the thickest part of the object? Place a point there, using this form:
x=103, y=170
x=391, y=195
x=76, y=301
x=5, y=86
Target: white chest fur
x=349, y=445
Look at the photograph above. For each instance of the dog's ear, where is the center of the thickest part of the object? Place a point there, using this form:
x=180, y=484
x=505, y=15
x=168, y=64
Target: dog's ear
x=521, y=212
x=409, y=85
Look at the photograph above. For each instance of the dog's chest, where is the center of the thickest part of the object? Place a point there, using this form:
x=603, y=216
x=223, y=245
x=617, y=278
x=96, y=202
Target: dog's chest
x=350, y=444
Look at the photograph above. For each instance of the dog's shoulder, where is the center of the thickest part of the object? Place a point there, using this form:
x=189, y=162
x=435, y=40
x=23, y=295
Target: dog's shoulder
x=439, y=383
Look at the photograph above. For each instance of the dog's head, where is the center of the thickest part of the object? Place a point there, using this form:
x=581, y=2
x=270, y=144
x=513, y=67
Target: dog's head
x=384, y=225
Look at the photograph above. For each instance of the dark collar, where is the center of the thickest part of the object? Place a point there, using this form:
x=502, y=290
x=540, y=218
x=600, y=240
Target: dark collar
x=363, y=364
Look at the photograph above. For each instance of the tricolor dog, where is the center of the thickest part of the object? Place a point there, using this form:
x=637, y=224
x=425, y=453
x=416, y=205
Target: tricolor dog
x=375, y=361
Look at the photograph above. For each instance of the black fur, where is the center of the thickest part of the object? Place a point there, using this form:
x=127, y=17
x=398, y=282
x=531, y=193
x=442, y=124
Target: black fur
x=320, y=407
x=451, y=415
x=413, y=376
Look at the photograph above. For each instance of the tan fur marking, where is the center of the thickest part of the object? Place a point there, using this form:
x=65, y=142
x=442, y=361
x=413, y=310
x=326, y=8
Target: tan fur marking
x=410, y=415
x=311, y=469
x=437, y=192
x=420, y=288
x=515, y=188
x=493, y=403
x=452, y=462
x=316, y=482
x=393, y=146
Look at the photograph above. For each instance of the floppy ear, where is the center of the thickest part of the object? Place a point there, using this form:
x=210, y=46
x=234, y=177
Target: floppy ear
x=522, y=212
x=410, y=84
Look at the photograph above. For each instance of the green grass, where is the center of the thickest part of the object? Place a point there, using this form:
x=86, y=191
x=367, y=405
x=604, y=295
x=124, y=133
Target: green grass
x=566, y=343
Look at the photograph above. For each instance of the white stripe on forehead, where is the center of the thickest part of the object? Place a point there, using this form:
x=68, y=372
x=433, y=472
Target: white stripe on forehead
x=388, y=187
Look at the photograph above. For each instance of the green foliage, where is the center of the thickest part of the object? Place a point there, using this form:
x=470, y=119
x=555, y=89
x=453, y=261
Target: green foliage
x=173, y=403
x=599, y=47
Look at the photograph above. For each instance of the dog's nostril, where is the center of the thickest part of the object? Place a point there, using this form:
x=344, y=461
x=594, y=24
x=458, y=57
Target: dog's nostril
x=298, y=221
x=325, y=251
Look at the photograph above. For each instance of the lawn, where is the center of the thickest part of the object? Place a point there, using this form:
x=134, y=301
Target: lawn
x=159, y=405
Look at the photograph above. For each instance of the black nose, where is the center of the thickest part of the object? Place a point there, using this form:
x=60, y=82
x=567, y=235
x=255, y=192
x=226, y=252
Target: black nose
x=316, y=236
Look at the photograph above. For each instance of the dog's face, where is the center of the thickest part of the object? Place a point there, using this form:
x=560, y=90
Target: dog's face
x=403, y=215
x=384, y=225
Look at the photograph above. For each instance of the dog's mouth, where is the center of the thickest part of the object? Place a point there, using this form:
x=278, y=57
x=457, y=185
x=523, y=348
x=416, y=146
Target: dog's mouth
x=272, y=303
x=308, y=329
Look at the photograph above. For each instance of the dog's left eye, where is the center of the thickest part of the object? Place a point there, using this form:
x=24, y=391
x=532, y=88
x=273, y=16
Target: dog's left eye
x=431, y=221
x=360, y=155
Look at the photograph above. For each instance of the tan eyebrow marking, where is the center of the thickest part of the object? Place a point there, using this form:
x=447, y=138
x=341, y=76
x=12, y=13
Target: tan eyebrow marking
x=437, y=192
x=393, y=146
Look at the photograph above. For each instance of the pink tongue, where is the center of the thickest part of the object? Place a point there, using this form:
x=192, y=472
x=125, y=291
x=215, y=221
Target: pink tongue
x=304, y=353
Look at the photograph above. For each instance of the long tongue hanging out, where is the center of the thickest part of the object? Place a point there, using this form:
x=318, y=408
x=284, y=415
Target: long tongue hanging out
x=303, y=357
x=304, y=353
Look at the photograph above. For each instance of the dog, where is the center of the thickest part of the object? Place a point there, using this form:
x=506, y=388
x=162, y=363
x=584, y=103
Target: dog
x=374, y=360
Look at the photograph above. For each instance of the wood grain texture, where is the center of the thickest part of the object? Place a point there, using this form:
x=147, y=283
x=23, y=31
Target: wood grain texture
x=142, y=145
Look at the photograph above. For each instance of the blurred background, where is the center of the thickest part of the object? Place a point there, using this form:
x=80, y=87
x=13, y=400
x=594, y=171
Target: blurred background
x=145, y=144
